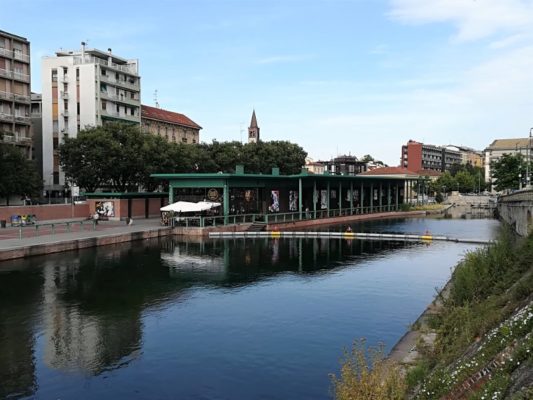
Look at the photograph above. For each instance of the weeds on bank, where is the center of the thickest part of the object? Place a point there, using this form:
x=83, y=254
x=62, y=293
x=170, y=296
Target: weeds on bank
x=365, y=374
x=485, y=327
x=475, y=328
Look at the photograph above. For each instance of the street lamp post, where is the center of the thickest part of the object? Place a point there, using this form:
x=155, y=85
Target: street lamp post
x=520, y=181
x=528, y=159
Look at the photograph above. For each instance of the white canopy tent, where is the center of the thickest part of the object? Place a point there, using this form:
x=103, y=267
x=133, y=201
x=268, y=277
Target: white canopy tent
x=188, y=207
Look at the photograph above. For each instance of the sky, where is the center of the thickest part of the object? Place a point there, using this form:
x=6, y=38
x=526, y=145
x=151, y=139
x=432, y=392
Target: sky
x=334, y=76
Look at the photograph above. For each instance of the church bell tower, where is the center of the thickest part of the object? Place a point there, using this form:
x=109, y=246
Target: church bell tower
x=253, y=130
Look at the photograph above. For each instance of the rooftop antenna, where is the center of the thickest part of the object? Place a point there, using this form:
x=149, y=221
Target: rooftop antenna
x=155, y=99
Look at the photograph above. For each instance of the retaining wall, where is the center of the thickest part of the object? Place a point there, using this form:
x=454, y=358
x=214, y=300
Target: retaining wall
x=517, y=209
x=46, y=212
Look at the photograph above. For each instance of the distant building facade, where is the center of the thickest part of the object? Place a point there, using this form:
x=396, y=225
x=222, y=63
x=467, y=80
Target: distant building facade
x=253, y=130
x=15, y=86
x=418, y=156
x=314, y=167
x=499, y=147
x=81, y=89
x=468, y=155
x=345, y=165
x=172, y=126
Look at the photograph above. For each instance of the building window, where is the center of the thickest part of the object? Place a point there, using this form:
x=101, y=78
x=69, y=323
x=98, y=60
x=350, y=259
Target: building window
x=104, y=104
x=77, y=74
x=103, y=72
x=54, y=75
x=184, y=140
x=118, y=108
x=65, y=70
x=78, y=108
x=56, y=178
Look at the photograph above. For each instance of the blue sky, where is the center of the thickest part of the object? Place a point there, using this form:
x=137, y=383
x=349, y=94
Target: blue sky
x=336, y=77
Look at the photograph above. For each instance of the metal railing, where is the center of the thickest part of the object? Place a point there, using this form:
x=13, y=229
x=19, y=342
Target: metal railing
x=53, y=227
x=276, y=218
x=131, y=69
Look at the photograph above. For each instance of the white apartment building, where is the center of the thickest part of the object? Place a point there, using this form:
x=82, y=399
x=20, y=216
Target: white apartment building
x=81, y=89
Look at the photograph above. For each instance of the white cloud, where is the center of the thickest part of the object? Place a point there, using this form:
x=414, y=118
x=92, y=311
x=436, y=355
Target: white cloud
x=475, y=19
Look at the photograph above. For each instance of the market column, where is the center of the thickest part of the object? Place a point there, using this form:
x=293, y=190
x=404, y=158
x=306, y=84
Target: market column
x=300, y=203
x=225, y=197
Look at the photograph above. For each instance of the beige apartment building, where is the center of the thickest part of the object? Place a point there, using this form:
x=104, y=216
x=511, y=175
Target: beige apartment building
x=15, y=122
x=172, y=126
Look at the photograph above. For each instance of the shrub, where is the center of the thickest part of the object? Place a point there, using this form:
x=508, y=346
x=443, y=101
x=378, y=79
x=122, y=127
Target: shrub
x=365, y=374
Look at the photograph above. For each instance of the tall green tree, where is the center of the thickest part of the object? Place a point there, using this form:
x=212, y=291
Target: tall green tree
x=506, y=170
x=86, y=159
x=18, y=175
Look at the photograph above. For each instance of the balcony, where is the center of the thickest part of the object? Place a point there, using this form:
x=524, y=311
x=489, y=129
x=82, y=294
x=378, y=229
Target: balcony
x=64, y=95
x=6, y=53
x=4, y=116
x=5, y=73
x=6, y=95
x=64, y=113
x=22, y=98
x=121, y=83
x=22, y=119
x=21, y=77
x=115, y=115
x=18, y=138
x=18, y=55
x=120, y=98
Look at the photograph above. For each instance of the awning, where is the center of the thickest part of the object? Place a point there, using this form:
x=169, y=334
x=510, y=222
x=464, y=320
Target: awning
x=187, y=206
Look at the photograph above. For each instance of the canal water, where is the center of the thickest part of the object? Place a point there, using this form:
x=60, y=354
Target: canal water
x=214, y=319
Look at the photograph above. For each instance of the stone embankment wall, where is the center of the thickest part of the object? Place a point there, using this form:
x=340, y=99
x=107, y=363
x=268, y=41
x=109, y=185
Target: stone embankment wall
x=517, y=209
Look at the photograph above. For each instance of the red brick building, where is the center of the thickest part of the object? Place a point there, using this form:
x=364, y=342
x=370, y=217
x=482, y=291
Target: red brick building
x=419, y=156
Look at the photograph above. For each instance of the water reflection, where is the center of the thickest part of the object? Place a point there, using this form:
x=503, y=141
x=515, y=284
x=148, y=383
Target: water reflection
x=20, y=299
x=236, y=262
x=92, y=303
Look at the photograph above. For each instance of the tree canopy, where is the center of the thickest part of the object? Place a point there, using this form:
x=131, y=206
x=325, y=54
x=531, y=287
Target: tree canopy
x=122, y=157
x=19, y=175
x=462, y=177
x=506, y=170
